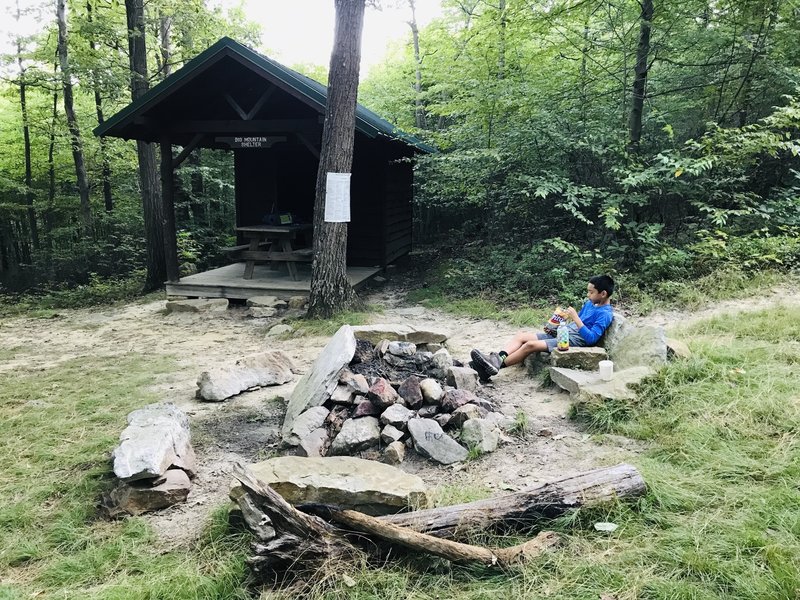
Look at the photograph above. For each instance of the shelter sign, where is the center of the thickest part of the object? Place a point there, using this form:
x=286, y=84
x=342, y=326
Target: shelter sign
x=337, y=198
x=251, y=141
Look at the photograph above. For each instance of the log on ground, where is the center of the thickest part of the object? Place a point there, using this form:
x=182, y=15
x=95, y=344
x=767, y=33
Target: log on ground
x=522, y=509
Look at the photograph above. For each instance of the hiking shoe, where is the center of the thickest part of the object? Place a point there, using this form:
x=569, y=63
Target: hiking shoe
x=489, y=365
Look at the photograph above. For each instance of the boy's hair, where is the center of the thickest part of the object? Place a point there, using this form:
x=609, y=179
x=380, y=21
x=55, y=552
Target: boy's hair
x=603, y=283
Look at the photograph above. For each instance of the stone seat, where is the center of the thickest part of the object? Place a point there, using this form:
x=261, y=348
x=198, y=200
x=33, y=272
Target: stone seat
x=586, y=358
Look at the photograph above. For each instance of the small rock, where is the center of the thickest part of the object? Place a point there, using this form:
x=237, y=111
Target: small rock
x=139, y=497
x=397, y=415
x=462, y=378
x=261, y=312
x=197, y=305
x=390, y=434
x=356, y=434
x=432, y=391
x=356, y=382
x=343, y=394
x=297, y=301
x=365, y=409
x=480, y=434
x=455, y=398
x=382, y=394
x=305, y=423
x=402, y=348
x=280, y=329
x=677, y=349
x=464, y=413
x=544, y=432
x=443, y=419
x=605, y=526
x=266, y=301
x=314, y=444
x=431, y=441
x=427, y=411
x=411, y=392
x=509, y=410
x=395, y=453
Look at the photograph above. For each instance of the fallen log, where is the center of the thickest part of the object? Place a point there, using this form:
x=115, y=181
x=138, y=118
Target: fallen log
x=456, y=552
x=522, y=509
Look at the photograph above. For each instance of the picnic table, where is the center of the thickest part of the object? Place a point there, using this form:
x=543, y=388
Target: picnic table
x=280, y=250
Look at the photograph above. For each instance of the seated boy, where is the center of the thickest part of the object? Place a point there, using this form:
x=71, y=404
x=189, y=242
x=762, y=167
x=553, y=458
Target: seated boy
x=586, y=329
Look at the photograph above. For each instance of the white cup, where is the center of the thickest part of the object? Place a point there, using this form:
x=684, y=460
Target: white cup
x=606, y=370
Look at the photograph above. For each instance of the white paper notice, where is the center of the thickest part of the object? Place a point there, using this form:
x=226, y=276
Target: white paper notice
x=337, y=198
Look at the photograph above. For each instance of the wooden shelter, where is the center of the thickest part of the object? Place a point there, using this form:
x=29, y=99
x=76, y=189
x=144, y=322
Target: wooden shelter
x=231, y=97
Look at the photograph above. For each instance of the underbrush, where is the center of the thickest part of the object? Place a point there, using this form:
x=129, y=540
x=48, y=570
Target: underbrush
x=99, y=290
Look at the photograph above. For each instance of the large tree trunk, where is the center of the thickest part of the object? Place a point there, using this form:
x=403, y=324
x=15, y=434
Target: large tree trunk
x=640, y=78
x=51, y=165
x=72, y=121
x=148, y=166
x=165, y=43
x=108, y=199
x=330, y=290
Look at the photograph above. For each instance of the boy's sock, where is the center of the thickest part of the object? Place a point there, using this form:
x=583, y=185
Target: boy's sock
x=502, y=354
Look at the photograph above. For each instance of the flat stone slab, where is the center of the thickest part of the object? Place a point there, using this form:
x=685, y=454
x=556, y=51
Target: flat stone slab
x=273, y=367
x=366, y=486
x=316, y=386
x=139, y=497
x=586, y=358
x=157, y=437
x=400, y=332
x=431, y=441
x=587, y=386
x=197, y=305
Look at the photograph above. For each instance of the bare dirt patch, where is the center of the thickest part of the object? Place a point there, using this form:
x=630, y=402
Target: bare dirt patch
x=245, y=428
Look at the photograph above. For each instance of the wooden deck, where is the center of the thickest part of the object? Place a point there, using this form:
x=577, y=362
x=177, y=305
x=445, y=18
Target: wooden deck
x=229, y=282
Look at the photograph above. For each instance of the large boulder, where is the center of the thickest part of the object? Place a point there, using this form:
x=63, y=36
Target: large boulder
x=430, y=441
x=316, y=386
x=157, y=438
x=402, y=333
x=641, y=346
x=266, y=368
x=366, y=486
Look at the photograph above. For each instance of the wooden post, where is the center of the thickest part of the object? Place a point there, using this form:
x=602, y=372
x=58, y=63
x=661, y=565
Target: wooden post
x=168, y=213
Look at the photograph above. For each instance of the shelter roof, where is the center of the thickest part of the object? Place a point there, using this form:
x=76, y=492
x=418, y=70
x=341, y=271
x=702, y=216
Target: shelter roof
x=212, y=92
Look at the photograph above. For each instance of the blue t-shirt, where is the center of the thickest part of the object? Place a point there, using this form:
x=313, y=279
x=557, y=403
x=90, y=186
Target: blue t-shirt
x=596, y=320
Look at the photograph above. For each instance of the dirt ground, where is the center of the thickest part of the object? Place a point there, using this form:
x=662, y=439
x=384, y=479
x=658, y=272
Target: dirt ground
x=245, y=428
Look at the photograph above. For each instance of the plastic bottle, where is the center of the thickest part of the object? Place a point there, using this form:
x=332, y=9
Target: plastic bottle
x=562, y=337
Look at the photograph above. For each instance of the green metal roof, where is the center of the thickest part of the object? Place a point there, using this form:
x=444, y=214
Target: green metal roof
x=313, y=92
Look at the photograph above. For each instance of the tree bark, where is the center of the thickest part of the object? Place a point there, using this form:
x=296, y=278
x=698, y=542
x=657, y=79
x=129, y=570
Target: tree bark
x=72, y=121
x=148, y=167
x=164, y=25
x=51, y=166
x=331, y=292
x=26, y=137
x=108, y=199
x=524, y=508
x=419, y=110
x=640, y=77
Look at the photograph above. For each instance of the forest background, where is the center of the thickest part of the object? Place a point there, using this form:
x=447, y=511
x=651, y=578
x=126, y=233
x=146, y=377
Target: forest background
x=655, y=140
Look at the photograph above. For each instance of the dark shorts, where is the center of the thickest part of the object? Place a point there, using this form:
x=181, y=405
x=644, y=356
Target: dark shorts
x=574, y=340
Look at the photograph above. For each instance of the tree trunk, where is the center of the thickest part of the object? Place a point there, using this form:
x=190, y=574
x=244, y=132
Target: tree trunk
x=331, y=292
x=51, y=165
x=524, y=508
x=108, y=199
x=164, y=24
x=72, y=121
x=640, y=77
x=419, y=111
x=148, y=167
x=501, y=46
x=26, y=136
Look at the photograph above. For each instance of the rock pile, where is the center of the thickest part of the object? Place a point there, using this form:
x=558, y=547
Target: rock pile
x=391, y=396
x=154, y=461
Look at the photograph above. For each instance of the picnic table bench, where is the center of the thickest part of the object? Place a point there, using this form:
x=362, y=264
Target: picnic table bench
x=280, y=250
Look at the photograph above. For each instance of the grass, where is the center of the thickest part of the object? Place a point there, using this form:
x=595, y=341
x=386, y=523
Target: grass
x=327, y=327
x=56, y=432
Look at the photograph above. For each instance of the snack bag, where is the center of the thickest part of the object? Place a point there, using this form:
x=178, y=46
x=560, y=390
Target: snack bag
x=559, y=316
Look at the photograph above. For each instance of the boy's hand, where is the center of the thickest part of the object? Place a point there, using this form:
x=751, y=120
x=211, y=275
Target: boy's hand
x=572, y=313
